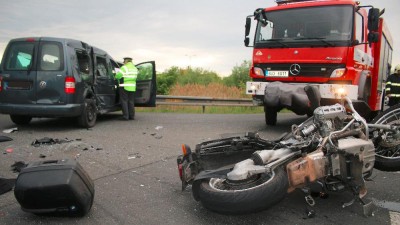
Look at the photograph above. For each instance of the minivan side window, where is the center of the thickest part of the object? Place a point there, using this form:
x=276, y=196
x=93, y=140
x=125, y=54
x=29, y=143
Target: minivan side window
x=113, y=67
x=51, y=57
x=101, y=67
x=145, y=72
x=19, y=56
x=83, y=64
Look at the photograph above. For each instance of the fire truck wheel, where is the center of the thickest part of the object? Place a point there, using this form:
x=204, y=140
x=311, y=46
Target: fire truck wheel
x=238, y=197
x=271, y=114
x=387, y=144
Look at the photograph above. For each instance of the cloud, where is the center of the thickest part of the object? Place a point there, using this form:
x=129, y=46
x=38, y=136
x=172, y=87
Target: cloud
x=205, y=33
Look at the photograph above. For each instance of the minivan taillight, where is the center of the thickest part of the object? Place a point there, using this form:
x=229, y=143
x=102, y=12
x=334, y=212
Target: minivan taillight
x=70, y=85
x=1, y=83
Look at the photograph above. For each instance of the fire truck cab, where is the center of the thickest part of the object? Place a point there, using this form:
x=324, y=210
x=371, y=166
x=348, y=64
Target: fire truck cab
x=335, y=48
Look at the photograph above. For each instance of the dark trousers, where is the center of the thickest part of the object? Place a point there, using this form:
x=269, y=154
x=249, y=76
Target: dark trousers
x=127, y=103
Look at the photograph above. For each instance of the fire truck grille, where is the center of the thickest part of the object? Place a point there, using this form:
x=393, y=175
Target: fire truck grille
x=303, y=70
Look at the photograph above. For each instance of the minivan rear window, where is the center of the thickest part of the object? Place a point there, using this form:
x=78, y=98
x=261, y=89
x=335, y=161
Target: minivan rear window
x=19, y=56
x=51, y=57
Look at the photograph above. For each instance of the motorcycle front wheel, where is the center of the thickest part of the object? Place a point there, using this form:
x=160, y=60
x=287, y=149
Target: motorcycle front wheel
x=388, y=144
x=238, y=197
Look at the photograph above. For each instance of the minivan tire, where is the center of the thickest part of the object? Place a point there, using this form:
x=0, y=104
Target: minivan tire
x=89, y=114
x=21, y=120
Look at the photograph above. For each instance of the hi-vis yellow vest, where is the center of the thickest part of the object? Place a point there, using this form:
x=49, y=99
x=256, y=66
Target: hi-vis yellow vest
x=127, y=76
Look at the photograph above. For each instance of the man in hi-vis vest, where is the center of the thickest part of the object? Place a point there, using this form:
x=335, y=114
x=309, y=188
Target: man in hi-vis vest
x=127, y=86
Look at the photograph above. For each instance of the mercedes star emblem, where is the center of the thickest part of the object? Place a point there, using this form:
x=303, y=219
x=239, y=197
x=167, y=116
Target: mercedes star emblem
x=295, y=69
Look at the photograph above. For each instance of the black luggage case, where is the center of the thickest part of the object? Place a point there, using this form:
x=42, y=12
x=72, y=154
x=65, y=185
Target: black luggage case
x=57, y=186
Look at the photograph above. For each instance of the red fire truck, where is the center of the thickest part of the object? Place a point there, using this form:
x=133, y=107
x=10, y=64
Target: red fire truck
x=337, y=47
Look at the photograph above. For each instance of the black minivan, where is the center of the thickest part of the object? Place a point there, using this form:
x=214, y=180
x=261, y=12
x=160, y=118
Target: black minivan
x=58, y=77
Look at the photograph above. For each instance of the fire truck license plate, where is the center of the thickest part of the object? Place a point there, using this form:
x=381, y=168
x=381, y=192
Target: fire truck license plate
x=277, y=73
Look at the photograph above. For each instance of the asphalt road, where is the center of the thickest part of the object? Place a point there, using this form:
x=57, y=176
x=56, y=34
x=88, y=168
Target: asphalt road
x=133, y=165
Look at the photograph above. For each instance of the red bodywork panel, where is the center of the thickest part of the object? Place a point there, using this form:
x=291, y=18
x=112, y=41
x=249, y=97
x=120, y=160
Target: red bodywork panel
x=358, y=59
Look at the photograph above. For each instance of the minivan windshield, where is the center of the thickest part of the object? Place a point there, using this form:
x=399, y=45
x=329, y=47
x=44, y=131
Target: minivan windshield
x=306, y=27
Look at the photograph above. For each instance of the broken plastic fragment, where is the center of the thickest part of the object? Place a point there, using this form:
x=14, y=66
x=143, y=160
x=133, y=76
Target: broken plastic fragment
x=4, y=138
x=7, y=131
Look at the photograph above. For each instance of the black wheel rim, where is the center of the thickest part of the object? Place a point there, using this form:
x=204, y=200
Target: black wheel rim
x=90, y=112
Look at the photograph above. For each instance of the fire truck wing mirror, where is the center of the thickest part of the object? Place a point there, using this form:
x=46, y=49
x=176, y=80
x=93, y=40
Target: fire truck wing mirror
x=373, y=19
x=248, y=25
x=247, y=41
x=373, y=37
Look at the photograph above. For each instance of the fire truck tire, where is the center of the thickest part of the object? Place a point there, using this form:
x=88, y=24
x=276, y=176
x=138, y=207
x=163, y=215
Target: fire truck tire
x=251, y=195
x=271, y=114
x=387, y=145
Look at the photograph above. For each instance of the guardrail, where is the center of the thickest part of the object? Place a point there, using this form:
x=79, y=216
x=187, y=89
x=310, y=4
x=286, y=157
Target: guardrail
x=202, y=101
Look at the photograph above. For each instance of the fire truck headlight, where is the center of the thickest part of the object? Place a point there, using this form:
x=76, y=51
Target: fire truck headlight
x=340, y=92
x=338, y=73
x=258, y=71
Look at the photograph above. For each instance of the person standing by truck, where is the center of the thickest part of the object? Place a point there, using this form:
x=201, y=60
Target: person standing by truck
x=393, y=87
x=127, y=86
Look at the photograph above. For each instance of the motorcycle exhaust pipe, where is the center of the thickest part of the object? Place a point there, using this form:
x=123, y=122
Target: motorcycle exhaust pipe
x=266, y=156
x=254, y=165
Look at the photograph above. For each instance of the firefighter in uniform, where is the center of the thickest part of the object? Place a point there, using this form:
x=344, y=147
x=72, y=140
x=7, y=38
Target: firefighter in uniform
x=393, y=87
x=127, y=86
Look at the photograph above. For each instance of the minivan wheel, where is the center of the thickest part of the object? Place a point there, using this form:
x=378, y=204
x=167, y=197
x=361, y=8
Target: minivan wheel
x=21, y=120
x=89, y=114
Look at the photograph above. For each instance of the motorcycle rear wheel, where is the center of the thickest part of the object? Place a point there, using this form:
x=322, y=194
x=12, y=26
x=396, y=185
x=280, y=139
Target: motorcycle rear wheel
x=251, y=195
x=388, y=149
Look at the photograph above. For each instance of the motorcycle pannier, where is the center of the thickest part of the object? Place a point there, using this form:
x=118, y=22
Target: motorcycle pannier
x=58, y=186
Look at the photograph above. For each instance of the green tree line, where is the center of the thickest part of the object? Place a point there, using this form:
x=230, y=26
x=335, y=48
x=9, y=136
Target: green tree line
x=175, y=75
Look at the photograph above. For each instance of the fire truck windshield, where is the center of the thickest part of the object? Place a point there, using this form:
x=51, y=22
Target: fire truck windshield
x=303, y=27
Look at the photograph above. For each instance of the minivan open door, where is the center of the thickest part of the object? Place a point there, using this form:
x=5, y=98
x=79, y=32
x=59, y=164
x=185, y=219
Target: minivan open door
x=146, y=88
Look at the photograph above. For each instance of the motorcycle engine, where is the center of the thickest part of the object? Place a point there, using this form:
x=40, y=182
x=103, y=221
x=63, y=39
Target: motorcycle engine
x=326, y=119
x=329, y=118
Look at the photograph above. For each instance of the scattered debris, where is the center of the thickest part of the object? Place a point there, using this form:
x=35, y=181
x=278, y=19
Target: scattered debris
x=7, y=131
x=49, y=141
x=18, y=166
x=9, y=150
x=42, y=156
x=134, y=156
x=6, y=185
x=159, y=127
x=4, y=138
x=98, y=149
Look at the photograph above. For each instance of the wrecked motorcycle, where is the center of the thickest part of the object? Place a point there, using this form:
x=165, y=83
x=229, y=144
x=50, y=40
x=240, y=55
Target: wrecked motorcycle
x=334, y=150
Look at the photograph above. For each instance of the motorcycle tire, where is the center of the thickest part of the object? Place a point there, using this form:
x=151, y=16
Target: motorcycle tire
x=251, y=195
x=387, y=156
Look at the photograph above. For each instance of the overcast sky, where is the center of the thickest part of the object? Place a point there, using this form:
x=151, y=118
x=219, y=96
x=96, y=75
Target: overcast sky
x=206, y=33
